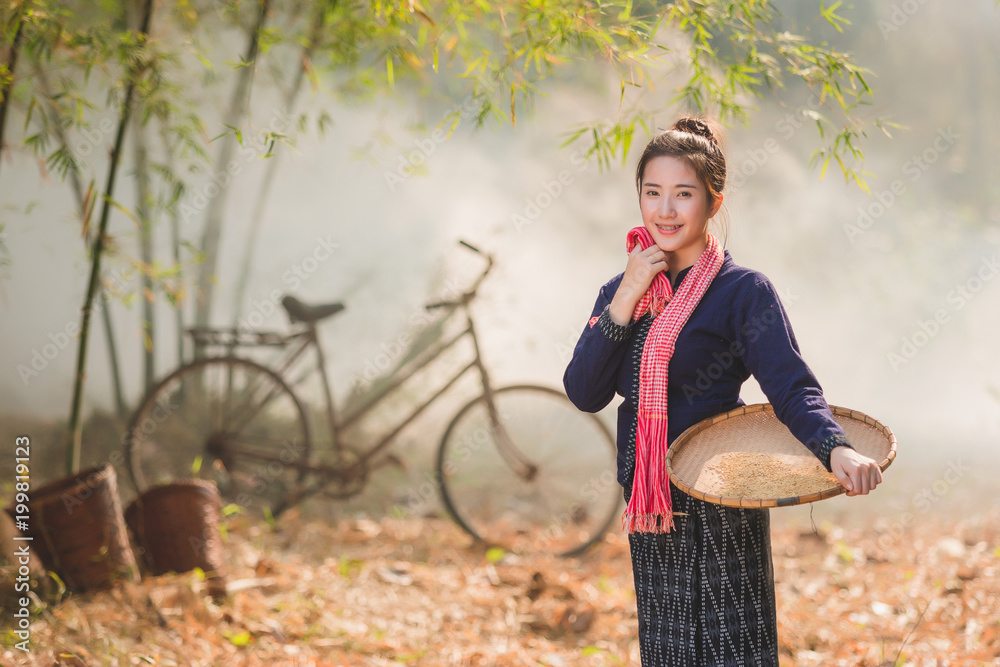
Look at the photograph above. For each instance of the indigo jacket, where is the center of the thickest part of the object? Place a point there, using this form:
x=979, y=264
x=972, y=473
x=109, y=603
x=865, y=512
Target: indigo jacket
x=739, y=328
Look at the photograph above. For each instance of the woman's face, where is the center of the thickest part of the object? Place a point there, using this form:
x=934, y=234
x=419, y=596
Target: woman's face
x=675, y=208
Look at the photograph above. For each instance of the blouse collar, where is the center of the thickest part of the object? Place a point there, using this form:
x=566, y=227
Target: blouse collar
x=683, y=272
x=680, y=278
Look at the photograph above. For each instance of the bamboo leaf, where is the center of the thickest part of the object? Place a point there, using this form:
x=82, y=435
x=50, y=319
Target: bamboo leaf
x=860, y=182
x=204, y=61
x=576, y=135
x=626, y=12
x=626, y=143
x=830, y=14
x=513, y=120
x=129, y=214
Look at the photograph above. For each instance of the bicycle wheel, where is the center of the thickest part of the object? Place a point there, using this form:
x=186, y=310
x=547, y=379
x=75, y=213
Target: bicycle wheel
x=551, y=487
x=225, y=419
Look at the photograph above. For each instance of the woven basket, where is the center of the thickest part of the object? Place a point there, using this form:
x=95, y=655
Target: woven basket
x=78, y=531
x=693, y=457
x=177, y=527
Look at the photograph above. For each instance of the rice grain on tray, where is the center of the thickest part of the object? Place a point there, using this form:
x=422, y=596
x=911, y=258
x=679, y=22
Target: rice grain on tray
x=756, y=475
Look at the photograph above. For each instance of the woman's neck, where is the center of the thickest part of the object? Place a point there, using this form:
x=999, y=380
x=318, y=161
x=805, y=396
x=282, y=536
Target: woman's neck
x=681, y=259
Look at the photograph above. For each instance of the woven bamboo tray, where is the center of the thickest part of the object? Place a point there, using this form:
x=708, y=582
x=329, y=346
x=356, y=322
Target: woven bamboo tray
x=695, y=458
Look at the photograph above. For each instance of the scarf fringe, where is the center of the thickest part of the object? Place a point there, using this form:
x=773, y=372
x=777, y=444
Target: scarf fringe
x=649, y=507
x=648, y=523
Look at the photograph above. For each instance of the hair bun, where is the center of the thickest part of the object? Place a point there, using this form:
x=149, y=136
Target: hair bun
x=696, y=126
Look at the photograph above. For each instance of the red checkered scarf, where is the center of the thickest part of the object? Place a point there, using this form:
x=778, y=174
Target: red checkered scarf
x=649, y=509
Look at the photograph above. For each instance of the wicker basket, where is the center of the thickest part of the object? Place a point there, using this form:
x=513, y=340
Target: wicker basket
x=755, y=428
x=78, y=531
x=177, y=527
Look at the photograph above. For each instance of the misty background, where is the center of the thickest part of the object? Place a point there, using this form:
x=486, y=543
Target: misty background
x=893, y=295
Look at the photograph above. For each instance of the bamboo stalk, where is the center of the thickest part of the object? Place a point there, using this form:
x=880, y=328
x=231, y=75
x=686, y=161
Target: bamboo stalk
x=146, y=252
x=74, y=178
x=272, y=167
x=239, y=105
x=175, y=243
x=75, y=422
x=11, y=65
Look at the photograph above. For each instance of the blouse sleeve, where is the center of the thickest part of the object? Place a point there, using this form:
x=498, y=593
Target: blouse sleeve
x=591, y=376
x=771, y=353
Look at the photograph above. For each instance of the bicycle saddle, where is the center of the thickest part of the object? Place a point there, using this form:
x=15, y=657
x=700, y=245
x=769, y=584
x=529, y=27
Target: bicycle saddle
x=300, y=312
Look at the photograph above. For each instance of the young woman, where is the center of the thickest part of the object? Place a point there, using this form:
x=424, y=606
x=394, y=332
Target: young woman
x=676, y=335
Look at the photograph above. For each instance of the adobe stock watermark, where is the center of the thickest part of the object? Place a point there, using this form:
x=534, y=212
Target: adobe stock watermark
x=551, y=190
x=416, y=158
x=755, y=159
x=246, y=486
x=252, y=146
x=751, y=331
x=588, y=494
x=293, y=278
x=72, y=500
x=924, y=500
x=92, y=139
x=411, y=161
x=956, y=299
x=160, y=413
x=742, y=169
x=114, y=282
x=419, y=497
x=915, y=167
x=291, y=453
x=390, y=351
x=56, y=342
x=899, y=15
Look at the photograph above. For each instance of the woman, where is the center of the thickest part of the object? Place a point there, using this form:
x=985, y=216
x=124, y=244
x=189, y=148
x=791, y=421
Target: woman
x=676, y=335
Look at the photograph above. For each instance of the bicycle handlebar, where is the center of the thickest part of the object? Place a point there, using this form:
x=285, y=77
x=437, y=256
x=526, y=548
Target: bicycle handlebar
x=440, y=304
x=469, y=294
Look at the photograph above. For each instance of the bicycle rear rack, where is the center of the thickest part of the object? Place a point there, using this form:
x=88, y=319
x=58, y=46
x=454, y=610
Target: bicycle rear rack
x=230, y=338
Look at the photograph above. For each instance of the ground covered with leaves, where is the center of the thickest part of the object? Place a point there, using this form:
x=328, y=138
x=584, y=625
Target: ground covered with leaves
x=361, y=591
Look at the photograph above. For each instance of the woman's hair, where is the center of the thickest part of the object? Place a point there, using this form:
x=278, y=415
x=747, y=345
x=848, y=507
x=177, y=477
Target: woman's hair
x=698, y=143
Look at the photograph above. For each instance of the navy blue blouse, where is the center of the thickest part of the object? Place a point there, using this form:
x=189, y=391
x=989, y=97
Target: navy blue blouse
x=739, y=328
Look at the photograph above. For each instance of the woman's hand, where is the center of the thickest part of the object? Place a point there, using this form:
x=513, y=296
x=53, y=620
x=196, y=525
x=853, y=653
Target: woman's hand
x=642, y=267
x=856, y=472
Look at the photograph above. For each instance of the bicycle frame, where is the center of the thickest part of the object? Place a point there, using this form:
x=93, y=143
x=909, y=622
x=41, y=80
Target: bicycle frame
x=430, y=355
x=307, y=337
x=506, y=449
x=246, y=415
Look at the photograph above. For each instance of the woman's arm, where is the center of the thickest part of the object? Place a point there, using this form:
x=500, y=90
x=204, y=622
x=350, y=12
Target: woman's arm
x=592, y=373
x=771, y=353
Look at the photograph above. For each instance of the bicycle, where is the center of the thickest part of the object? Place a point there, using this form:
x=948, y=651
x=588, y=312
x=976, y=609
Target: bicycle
x=518, y=466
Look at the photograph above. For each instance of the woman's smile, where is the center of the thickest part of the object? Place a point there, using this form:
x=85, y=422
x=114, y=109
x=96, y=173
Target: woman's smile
x=668, y=229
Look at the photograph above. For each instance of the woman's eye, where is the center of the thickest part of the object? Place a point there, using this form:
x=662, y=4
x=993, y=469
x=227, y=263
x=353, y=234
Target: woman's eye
x=684, y=193
x=651, y=193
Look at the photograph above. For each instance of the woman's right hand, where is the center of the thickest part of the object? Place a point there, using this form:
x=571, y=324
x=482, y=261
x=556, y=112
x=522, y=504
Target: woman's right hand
x=642, y=267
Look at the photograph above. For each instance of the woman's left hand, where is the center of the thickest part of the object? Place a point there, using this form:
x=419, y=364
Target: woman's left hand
x=856, y=472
